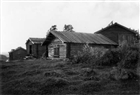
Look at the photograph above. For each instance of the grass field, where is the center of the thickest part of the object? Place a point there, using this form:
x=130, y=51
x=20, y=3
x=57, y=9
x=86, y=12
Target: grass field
x=57, y=77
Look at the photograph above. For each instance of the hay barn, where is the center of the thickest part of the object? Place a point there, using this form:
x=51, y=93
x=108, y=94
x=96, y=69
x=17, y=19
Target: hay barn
x=34, y=48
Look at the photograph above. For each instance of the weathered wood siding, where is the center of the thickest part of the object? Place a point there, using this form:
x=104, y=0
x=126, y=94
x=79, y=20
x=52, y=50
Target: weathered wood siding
x=17, y=54
x=34, y=53
x=33, y=49
x=27, y=47
x=57, y=43
x=41, y=50
x=103, y=46
x=118, y=34
x=37, y=49
x=127, y=37
x=75, y=48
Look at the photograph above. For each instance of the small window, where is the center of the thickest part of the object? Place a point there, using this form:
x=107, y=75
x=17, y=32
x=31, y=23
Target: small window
x=56, y=52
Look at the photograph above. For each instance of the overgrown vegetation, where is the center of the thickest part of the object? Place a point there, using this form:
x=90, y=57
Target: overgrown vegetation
x=94, y=71
x=123, y=59
x=88, y=55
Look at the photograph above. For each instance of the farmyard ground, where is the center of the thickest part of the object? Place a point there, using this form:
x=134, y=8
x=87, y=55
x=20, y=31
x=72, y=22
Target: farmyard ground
x=57, y=77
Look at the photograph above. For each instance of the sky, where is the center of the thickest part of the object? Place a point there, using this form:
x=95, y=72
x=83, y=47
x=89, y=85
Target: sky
x=21, y=20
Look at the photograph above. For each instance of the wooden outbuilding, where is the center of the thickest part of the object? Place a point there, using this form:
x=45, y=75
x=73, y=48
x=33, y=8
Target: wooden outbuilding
x=119, y=33
x=17, y=54
x=65, y=44
x=34, y=48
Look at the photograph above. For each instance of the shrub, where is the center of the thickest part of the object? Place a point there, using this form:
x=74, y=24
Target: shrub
x=110, y=58
x=138, y=66
x=129, y=56
x=89, y=55
x=125, y=56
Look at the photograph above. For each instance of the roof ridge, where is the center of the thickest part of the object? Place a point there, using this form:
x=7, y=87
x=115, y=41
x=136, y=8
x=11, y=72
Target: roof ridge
x=78, y=37
x=134, y=31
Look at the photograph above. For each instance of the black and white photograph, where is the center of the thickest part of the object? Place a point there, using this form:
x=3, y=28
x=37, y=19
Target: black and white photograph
x=69, y=47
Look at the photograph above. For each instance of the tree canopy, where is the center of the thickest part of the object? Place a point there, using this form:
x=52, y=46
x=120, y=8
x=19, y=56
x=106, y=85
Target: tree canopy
x=68, y=28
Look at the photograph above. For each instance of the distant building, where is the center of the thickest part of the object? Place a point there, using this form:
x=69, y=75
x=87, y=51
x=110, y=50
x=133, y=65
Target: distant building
x=34, y=48
x=64, y=44
x=3, y=58
x=17, y=54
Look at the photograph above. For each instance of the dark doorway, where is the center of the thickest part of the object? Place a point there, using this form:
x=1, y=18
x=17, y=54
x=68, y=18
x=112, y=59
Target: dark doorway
x=56, y=52
x=30, y=49
x=46, y=53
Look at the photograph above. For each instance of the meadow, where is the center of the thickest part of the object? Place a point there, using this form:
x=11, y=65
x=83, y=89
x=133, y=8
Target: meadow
x=55, y=77
x=79, y=76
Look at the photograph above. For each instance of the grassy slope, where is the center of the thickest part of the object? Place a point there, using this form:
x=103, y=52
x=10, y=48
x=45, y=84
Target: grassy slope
x=45, y=77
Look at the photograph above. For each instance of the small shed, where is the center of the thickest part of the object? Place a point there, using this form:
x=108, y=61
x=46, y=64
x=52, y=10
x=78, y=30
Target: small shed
x=17, y=54
x=64, y=44
x=34, y=48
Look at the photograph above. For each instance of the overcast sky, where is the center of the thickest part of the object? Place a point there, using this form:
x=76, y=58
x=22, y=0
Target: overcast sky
x=21, y=20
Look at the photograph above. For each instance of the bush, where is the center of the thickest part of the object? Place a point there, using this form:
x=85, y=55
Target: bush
x=88, y=55
x=138, y=67
x=110, y=58
x=125, y=56
x=129, y=56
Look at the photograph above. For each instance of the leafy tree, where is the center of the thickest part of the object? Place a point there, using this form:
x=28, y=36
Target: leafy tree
x=53, y=28
x=68, y=28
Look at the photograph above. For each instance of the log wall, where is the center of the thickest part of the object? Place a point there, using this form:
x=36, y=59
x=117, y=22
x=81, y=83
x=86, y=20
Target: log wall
x=57, y=43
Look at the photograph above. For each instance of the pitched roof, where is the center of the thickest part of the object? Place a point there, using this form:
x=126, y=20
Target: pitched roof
x=36, y=40
x=116, y=24
x=75, y=37
x=18, y=48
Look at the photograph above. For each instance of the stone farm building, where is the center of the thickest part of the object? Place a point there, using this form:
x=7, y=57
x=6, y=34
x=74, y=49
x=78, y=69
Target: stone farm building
x=17, y=54
x=64, y=44
x=34, y=48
